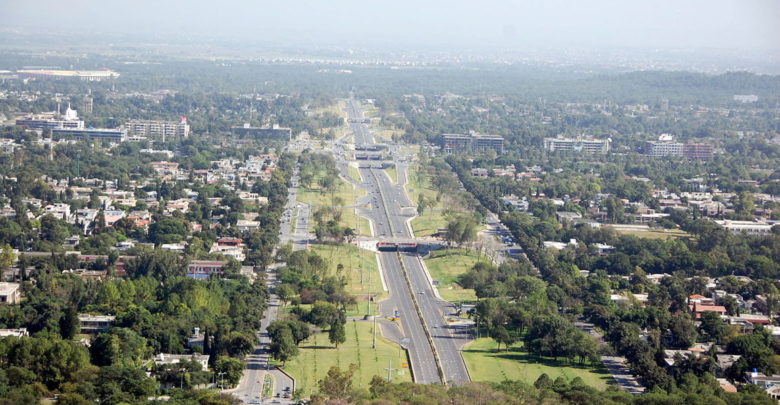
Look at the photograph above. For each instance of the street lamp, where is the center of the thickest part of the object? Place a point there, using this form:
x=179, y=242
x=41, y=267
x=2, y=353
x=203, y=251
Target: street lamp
x=181, y=378
x=222, y=380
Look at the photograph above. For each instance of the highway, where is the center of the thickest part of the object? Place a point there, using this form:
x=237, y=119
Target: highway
x=390, y=213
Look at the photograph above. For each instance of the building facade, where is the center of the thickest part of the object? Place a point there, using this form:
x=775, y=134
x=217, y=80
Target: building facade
x=587, y=145
x=52, y=120
x=472, y=142
x=10, y=293
x=698, y=151
x=275, y=132
x=118, y=135
x=158, y=130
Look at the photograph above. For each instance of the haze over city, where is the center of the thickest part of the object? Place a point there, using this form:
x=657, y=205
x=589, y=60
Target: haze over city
x=713, y=24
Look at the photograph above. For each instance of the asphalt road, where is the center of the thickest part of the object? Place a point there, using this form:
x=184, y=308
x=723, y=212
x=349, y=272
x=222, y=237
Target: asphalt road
x=389, y=201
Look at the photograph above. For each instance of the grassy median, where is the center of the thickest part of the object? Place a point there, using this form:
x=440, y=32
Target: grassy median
x=486, y=364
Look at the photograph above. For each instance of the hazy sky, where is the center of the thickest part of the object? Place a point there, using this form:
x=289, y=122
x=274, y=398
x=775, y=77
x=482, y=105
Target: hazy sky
x=725, y=24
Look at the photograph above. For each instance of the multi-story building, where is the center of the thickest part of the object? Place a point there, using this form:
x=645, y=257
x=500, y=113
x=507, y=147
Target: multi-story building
x=275, y=132
x=658, y=149
x=52, y=120
x=203, y=269
x=95, y=323
x=749, y=227
x=665, y=146
x=119, y=135
x=588, y=145
x=86, y=75
x=472, y=142
x=698, y=151
x=158, y=130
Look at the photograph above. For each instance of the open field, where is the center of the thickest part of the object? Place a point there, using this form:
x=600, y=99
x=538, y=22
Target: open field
x=317, y=355
x=655, y=233
x=369, y=110
x=313, y=196
x=337, y=109
x=360, y=270
x=446, y=265
x=485, y=364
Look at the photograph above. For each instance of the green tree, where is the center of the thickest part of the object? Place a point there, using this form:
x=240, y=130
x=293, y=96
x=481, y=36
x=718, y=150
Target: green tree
x=337, y=384
x=69, y=323
x=337, y=333
x=7, y=258
x=232, y=368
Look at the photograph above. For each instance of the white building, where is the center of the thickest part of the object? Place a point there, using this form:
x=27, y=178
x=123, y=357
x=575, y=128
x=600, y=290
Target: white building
x=158, y=130
x=748, y=227
x=588, y=145
x=10, y=293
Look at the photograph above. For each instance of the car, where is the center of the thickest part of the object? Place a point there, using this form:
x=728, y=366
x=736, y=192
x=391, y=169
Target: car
x=422, y=292
x=287, y=389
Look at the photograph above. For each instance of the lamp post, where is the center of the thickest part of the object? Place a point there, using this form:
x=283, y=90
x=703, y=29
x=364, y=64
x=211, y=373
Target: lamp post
x=221, y=380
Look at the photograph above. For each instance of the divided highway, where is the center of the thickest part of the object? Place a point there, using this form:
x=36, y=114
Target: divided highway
x=387, y=201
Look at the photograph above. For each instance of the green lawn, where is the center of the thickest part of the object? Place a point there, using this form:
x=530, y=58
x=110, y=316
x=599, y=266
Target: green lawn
x=354, y=174
x=313, y=196
x=485, y=364
x=656, y=233
x=432, y=218
x=360, y=269
x=317, y=355
x=446, y=265
x=392, y=173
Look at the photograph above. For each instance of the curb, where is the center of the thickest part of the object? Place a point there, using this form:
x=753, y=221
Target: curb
x=430, y=279
x=289, y=376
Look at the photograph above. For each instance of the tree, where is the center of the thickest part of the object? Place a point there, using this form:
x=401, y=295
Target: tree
x=682, y=332
x=323, y=314
x=461, y=229
x=285, y=292
x=501, y=335
x=283, y=345
x=119, y=346
x=240, y=344
x=7, y=258
x=69, y=323
x=232, y=368
x=337, y=334
x=337, y=384
x=713, y=326
x=422, y=204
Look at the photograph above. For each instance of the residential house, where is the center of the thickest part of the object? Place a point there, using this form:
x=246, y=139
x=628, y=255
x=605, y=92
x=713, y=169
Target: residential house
x=10, y=293
x=95, y=323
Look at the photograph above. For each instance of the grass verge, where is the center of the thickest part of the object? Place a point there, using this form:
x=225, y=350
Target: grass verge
x=432, y=218
x=486, y=364
x=354, y=174
x=314, y=196
x=446, y=265
x=392, y=173
x=360, y=271
x=317, y=355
